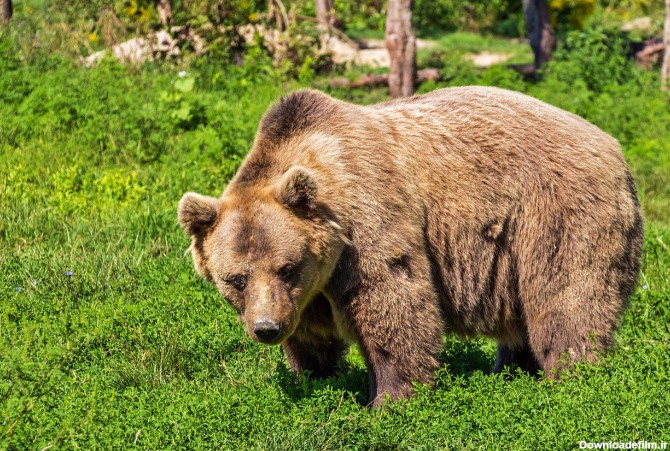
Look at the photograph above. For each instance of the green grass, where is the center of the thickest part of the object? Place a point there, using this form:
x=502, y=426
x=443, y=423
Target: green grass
x=134, y=350
x=456, y=44
x=461, y=42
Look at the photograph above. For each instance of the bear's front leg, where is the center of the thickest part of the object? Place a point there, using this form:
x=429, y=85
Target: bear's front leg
x=315, y=345
x=399, y=327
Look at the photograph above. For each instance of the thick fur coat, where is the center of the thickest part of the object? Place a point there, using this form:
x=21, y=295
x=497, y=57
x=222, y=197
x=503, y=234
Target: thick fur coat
x=473, y=210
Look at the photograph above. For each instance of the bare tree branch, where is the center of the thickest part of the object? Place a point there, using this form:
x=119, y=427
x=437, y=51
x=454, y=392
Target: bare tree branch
x=325, y=14
x=164, y=8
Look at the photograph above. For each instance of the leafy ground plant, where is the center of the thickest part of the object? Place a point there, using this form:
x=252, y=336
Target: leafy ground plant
x=109, y=340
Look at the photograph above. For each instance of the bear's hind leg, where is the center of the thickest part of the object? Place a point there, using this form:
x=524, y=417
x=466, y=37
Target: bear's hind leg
x=514, y=357
x=575, y=275
x=571, y=319
x=558, y=339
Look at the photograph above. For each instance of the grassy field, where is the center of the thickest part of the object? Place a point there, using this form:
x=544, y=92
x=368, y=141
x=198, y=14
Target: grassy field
x=109, y=340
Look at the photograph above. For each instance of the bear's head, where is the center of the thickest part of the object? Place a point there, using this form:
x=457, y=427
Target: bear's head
x=268, y=249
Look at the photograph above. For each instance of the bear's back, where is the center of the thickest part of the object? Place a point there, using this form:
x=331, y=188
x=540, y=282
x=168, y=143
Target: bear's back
x=487, y=143
x=497, y=120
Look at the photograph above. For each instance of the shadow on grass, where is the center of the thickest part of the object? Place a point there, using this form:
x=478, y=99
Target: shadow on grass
x=461, y=358
x=348, y=378
x=465, y=357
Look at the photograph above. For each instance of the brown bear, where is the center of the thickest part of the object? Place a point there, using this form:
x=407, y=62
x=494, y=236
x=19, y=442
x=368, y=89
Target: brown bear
x=472, y=210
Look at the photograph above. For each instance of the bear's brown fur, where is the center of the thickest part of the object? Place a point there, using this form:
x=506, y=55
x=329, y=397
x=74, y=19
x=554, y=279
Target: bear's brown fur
x=471, y=210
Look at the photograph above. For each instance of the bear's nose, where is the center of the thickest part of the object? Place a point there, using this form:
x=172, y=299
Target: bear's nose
x=266, y=330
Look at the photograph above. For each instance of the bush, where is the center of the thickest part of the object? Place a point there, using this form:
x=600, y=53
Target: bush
x=451, y=15
x=598, y=58
x=503, y=16
x=568, y=14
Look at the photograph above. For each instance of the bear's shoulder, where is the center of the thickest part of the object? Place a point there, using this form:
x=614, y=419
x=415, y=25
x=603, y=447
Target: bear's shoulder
x=296, y=113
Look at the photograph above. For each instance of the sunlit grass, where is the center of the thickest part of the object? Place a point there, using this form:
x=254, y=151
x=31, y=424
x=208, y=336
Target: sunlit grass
x=108, y=338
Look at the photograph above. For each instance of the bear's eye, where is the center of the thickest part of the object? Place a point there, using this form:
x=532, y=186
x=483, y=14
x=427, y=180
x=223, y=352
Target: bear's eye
x=287, y=272
x=238, y=281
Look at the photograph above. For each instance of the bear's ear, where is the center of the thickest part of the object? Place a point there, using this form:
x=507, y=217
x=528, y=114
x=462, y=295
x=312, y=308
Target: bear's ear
x=297, y=189
x=197, y=213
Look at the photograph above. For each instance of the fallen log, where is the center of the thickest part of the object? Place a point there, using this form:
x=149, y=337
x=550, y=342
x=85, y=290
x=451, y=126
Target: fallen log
x=372, y=80
x=646, y=53
x=650, y=54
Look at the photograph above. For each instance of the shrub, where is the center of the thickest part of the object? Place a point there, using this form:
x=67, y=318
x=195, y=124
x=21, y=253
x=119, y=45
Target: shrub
x=596, y=57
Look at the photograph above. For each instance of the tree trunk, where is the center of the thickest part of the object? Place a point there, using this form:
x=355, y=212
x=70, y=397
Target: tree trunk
x=401, y=44
x=165, y=12
x=540, y=32
x=5, y=10
x=665, y=69
x=324, y=14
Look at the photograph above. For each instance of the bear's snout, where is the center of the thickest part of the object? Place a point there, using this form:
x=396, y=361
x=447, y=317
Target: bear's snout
x=266, y=330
